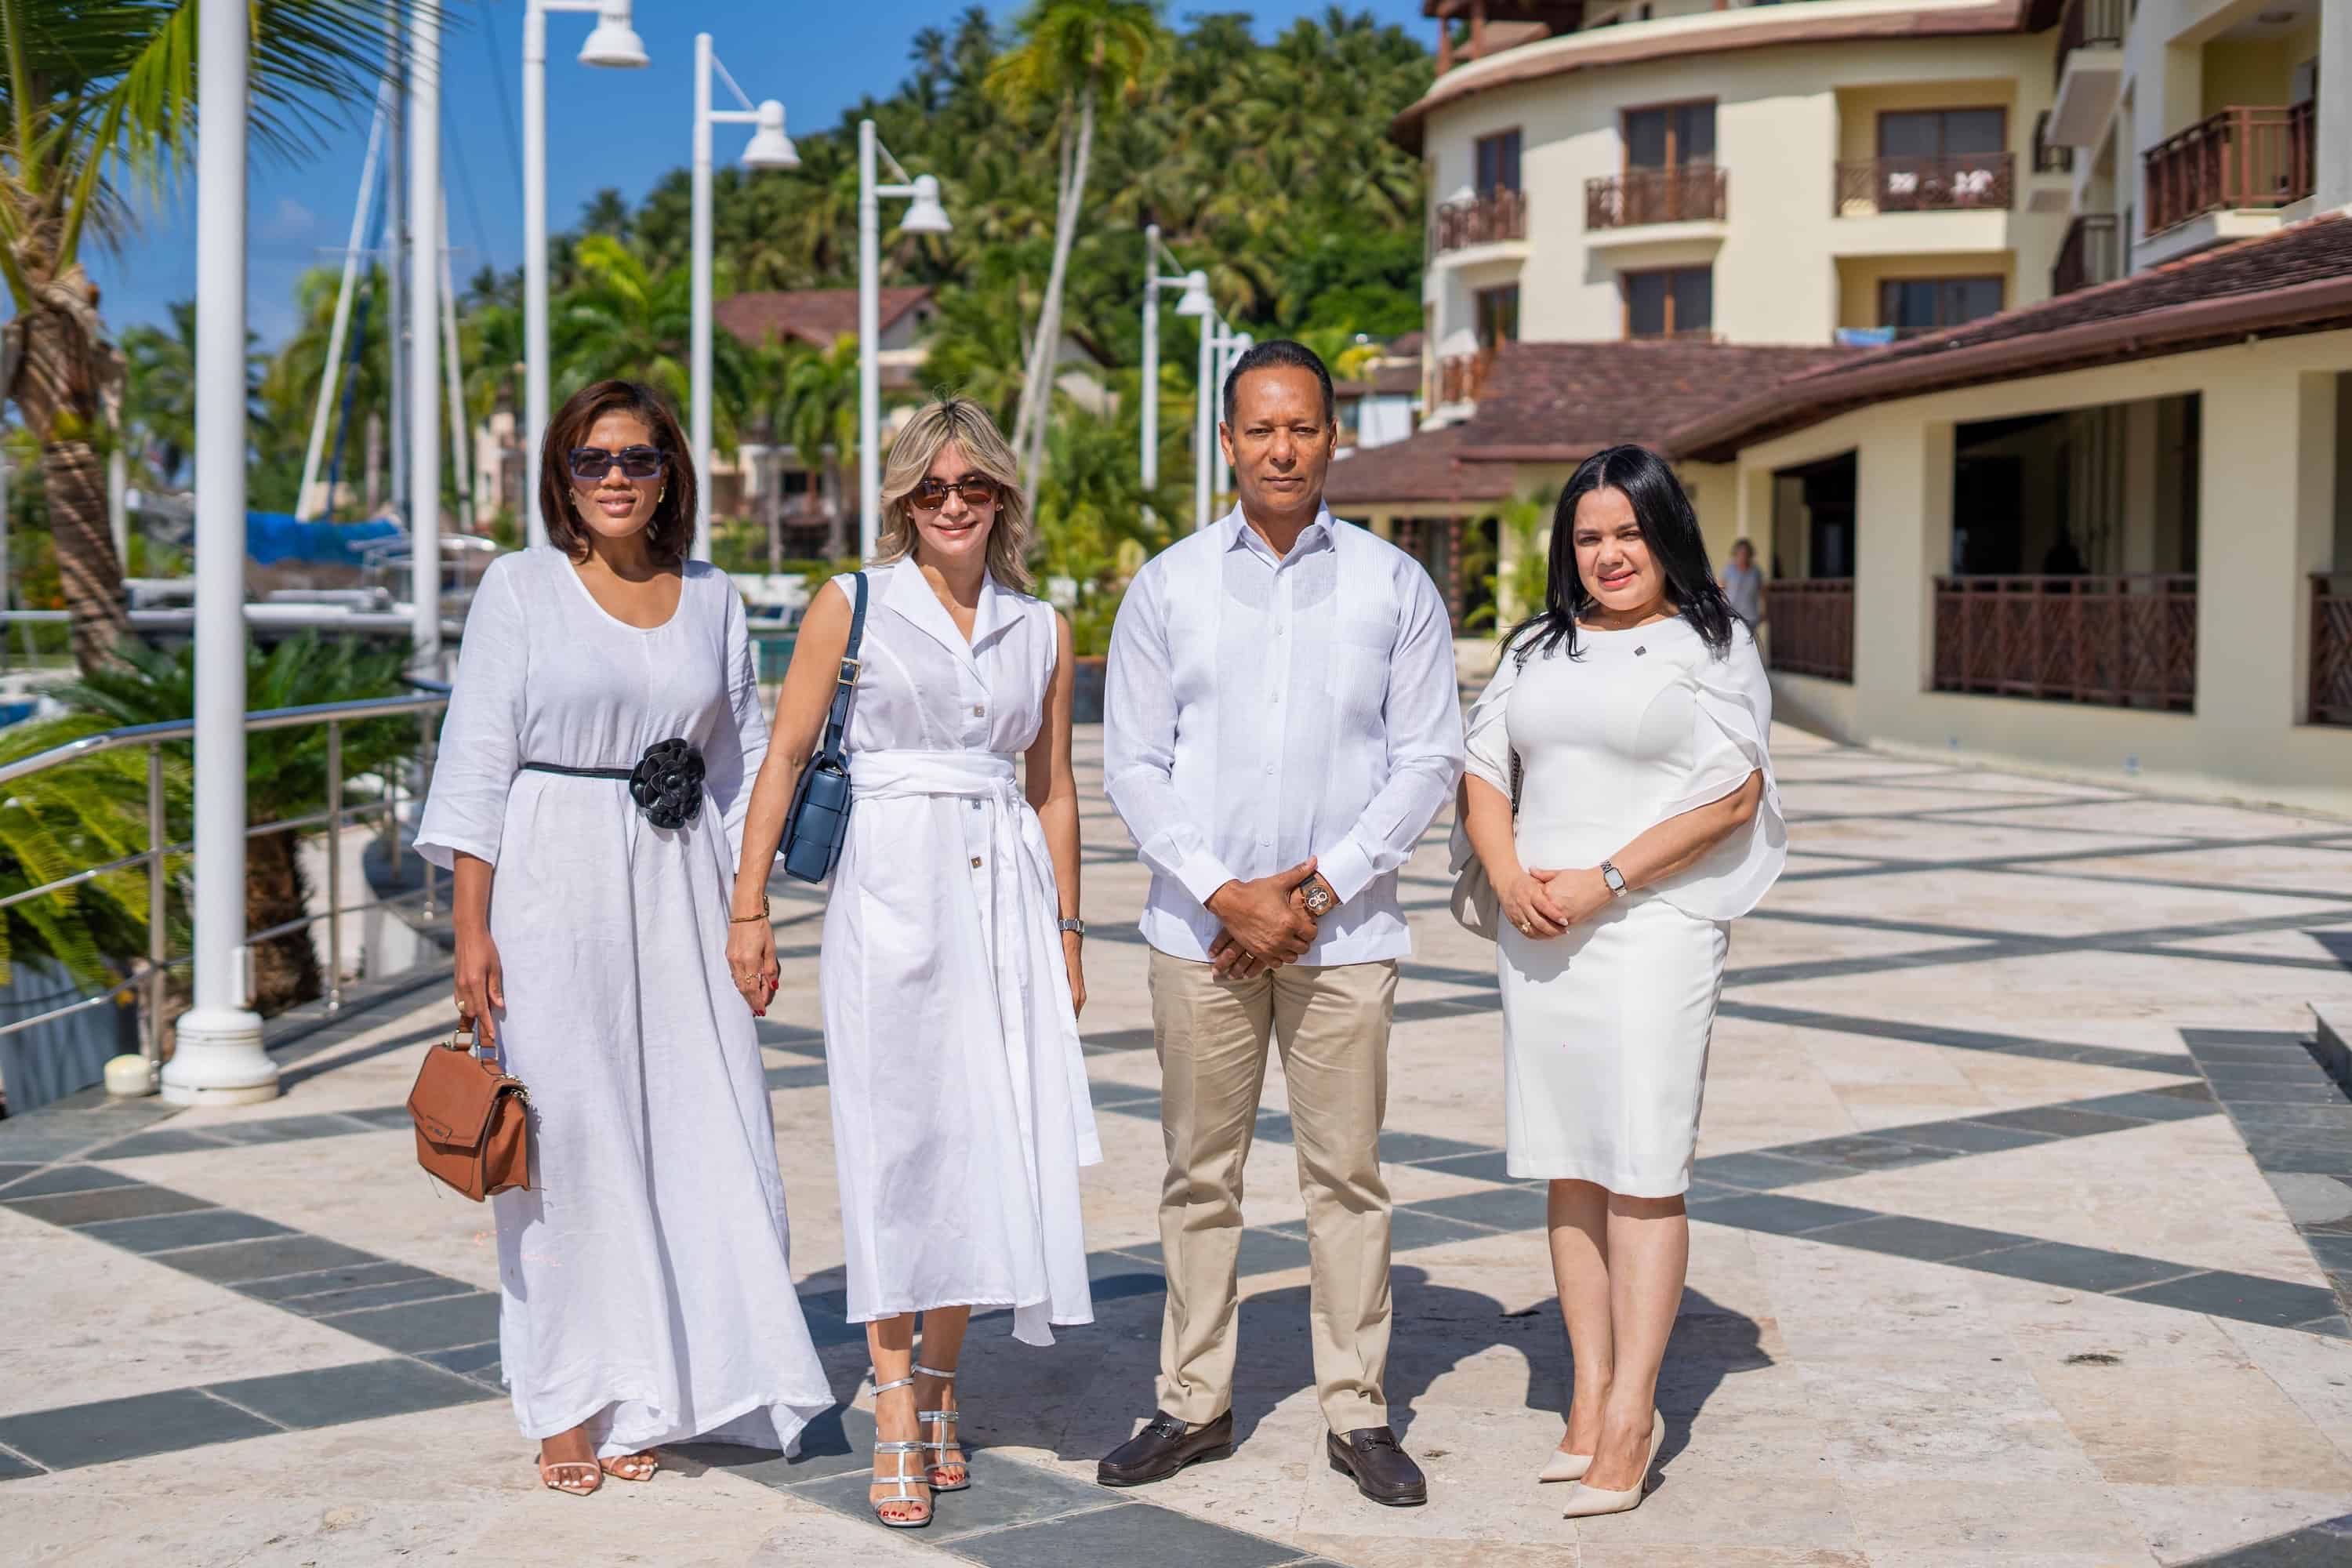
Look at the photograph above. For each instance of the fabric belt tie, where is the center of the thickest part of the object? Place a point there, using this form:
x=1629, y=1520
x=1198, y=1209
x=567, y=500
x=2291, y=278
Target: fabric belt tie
x=962, y=775
x=667, y=783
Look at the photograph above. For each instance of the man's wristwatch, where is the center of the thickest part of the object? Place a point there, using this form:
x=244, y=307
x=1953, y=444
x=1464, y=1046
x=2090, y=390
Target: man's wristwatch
x=1615, y=878
x=1318, y=898
x=1074, y=924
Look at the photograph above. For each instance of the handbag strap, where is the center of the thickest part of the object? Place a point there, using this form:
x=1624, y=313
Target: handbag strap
x=837, y=718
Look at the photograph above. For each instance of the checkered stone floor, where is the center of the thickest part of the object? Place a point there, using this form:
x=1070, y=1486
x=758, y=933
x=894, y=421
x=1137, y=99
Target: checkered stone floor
x=2022, y=1235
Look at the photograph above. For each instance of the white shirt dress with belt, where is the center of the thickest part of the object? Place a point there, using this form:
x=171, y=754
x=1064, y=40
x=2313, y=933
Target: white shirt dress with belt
x=960, y=1115
x=646, y=1277
x=1605, y=1028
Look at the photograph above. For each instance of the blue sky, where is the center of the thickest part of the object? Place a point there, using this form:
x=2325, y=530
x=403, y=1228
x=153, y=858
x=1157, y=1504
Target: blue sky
x=623, y=129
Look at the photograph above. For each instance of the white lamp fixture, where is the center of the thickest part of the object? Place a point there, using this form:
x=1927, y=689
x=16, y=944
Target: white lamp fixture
x=612, y=43
x=1195, y=301
x=770, y=148
x=925, y=215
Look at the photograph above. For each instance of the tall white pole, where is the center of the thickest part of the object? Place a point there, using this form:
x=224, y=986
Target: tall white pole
x=395, y=277
x=219, y=1057
x=1204, y=432
x=1151, y=358
x=460, y=436
x=699, y=437
x=361, y=208
x=534, y=261
x=118, y=502
x=424, y=336
x=870, y=331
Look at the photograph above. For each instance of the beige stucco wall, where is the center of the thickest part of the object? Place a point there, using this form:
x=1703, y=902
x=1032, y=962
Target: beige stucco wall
x=2270, y=511
x=1859, y=275
x=1784, y=117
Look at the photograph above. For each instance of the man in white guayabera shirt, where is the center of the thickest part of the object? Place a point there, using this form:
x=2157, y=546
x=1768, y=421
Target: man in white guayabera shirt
x=1280, y=725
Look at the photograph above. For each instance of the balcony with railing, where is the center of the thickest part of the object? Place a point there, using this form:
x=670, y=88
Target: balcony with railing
x=1967, y=182
x=1691, y=192
x=1461, y=377
x=2248, y=157
x=2092, y=253
x=2050, y=157
x=2331, y=647
x=2090, y=25
x=2127, y=640
x=1486, y=218
x=1809, y=626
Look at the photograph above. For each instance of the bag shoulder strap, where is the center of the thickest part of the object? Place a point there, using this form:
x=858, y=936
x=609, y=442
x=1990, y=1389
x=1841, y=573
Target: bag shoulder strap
x=845, y=682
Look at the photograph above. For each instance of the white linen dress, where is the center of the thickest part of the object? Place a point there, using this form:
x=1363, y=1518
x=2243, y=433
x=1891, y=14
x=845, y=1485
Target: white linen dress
x=646, y=1279
x=960, y=1107
x=1605, y=1028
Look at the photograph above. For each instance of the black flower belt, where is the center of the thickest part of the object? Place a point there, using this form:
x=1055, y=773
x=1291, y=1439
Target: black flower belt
x=667, y=783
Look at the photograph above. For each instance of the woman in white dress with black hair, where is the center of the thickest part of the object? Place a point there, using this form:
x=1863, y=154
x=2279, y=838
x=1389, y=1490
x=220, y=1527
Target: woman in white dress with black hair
x=949, y=969
x=1631, y=719
x=644, y=1276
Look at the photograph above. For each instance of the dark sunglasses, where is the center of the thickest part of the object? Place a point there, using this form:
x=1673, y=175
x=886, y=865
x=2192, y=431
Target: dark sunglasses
x=929, y=495
x=636, y=462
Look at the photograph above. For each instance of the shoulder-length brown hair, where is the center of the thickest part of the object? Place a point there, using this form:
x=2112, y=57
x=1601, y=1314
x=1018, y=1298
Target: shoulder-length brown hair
x=670, y=534
x=965, y=423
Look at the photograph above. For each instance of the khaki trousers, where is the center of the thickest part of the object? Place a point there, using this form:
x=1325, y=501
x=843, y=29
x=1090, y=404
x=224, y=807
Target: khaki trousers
x=1331, y=1024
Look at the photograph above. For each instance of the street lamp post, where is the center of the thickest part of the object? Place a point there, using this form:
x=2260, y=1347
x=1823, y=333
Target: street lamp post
x=1219, y=349
x=219, y=1059
x=770, y=148
x=1195, y=301
x=423, y=388
x=611, y=43
x=924, y=215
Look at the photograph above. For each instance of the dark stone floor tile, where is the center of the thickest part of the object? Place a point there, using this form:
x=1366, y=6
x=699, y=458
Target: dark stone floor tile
x=1125, y=1287
x=479, y=1363
x=1902, y=1236
x=112, y=1429
x=798, y=1075
x=2056, y=1119
x=267, y=1258
x=1763, y=1173
x=1412, y=1148
x=385, y=1117
x=1125, y=1533
x=1267, y=1249
x=2327, y=1544
x=2269, y=1053
x=13, y=1468
x=2335, y=1328
x=429, y=1325
x=2150, y=1107
x=390, y=1293
x=285, y=1129
x=2298, y=1158
x=164, y=1141
x=2075, y=1268
x=197, y=1227
x=64, y=1179
x=332, y=1396
x=1004, y=1492
x=2335, y=1118
x=2245, y=1297
x=1969, y=1137
x=133, y=1201
x=12, y=1171
x=1419, y=1226
x=1776, y=1213
x=1501, y=1209
x=1490, y=1165
x=2295, y=1067
x=289, y=1290
x=2334, y=1251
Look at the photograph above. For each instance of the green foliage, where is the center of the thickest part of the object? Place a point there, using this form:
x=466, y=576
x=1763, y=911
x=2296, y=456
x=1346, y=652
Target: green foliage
x=64, y=820
x=1516, y=588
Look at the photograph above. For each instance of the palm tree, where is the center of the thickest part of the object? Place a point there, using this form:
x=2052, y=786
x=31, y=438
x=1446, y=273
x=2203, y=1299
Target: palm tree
x=101, y=98
x=1079, y=55
x=158, y=403
x=821, y=393
x=626, y=318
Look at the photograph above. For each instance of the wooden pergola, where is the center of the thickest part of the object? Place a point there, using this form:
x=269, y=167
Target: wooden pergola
x=1513, y=19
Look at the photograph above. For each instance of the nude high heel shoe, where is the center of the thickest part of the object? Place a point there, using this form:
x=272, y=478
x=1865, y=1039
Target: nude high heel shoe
x=1586, y=1501
x=1565, y=1467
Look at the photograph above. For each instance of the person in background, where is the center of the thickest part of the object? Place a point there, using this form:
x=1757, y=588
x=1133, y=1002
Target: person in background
x=1743, y=586
x=1280, y=724
x=644, y=1274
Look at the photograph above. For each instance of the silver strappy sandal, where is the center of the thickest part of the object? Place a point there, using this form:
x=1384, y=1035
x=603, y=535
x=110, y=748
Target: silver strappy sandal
x=938, y=1421
x=901, y=1481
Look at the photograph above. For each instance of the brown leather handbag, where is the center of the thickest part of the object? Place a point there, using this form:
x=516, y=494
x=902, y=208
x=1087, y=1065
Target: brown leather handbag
x=473, y=1121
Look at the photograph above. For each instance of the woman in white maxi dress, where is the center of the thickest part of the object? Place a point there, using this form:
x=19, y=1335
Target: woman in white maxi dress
x=646, y=1292
x=1631, y=720
x=960, y=1106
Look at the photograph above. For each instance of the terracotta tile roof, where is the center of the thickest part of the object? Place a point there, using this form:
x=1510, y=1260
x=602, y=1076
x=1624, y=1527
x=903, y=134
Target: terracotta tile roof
x=1563, y=402
x=819, y=316
x=1424, y=468
x=2297, y=279
x=1388, y=380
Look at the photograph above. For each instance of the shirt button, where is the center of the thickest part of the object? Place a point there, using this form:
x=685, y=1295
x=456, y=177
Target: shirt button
x=975, y=805
x=980, y=712
x=1269, y=767
x=976, y=862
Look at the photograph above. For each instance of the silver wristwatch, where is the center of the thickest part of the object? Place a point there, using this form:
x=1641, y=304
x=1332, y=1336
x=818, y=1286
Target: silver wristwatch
x=1073, y=924
x=1615, y=878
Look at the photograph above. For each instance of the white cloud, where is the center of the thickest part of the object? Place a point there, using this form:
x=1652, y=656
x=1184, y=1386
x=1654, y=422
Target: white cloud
x=290, y=221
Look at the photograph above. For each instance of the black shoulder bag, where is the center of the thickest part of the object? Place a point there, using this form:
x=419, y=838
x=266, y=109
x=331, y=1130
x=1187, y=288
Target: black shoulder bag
x=818, y=822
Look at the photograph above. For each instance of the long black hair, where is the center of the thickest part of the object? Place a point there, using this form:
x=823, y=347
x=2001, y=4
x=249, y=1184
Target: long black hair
x=1668, y=526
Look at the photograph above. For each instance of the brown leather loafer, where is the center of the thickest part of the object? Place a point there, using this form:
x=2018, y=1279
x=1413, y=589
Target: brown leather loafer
x=1164, y=1447
x=1381, y=1469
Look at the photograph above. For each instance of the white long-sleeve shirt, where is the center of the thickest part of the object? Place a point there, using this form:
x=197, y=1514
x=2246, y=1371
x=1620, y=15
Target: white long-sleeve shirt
x=1257, y=711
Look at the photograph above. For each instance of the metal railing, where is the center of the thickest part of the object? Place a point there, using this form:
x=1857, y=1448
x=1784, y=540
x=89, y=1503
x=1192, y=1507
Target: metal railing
x=1968, y=181
x=2120, y=640
x=1809, y=625
x=1690, y=193
x=2247, y=156
x=152, y=971
x=2050, y=157
x=2097, y=23
x=2331, y=647
x=2091, y=254
x=1497, y=214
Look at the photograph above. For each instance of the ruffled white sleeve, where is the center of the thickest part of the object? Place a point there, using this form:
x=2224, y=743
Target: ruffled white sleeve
x=731, y=761
x=1732, y=728
x=481, y=735
x=1487, y=751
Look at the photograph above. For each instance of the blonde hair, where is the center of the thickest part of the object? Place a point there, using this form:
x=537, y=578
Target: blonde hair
x=962, y=421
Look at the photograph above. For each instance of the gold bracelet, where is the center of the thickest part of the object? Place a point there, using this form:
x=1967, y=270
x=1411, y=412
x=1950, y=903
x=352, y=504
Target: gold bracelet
x=746, y=920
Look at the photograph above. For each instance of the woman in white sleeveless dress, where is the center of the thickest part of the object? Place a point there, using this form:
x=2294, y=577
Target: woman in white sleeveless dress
x=960, y=1107
x=1631, y=719
x=645, y=1280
